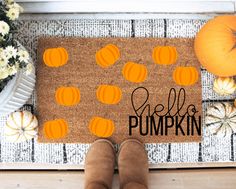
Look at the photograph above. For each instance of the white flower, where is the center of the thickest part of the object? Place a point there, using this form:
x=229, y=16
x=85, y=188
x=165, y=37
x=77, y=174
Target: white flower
x=12, y=70
x=1, y=50
x=10, y=52
x=9, y=1
x=13, y=13
x=3, y=73
x=17, y=65
x=3, y=61
x=3, y=58
x=23, y=56
x=4, y=28
x=29, y=68
x=15, y=6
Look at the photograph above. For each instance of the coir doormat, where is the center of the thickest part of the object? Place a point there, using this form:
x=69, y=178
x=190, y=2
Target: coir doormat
x=143, y=88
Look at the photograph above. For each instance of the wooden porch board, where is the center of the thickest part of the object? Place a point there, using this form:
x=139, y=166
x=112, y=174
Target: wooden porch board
x=164, y=179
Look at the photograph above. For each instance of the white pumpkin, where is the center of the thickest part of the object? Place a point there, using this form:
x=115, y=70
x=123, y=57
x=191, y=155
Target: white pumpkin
x=21, y=126
x=224, y=86
x=221, y=119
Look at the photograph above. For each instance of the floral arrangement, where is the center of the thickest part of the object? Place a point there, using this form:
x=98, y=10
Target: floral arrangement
x=12, y=57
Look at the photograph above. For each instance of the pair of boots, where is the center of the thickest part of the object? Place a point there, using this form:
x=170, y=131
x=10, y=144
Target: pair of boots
x=132, y=165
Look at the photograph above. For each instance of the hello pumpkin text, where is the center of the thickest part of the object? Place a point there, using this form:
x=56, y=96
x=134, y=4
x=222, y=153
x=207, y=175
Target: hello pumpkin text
x=160, y=120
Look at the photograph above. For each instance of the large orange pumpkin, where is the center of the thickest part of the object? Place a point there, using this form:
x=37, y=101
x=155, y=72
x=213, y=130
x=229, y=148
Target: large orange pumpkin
x=134, y=72
x=67, y=96
x=107, y=56
x=101, y=127
x=55, y=57
x=109, y=94
x=55, y=129
x=185, y=76
x=165, y=55
x=215, y=46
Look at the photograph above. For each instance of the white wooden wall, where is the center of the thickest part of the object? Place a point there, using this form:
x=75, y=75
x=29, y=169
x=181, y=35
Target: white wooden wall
x=128, y=6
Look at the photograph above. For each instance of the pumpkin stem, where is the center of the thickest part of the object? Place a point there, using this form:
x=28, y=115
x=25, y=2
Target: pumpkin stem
x=165, y=42
x=69, y=83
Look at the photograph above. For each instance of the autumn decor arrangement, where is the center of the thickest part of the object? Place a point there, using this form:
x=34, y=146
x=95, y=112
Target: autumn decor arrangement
x=109, y=88
x=215, y=49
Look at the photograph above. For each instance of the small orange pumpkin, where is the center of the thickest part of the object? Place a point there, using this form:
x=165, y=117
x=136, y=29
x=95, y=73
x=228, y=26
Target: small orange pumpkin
x=109, y=94
x=55, y=129
x=134, y=72
x=185, y=75
x=67, y=96
x=165, y=55
x=55, y=57
x=107, y=56
x=101, y=127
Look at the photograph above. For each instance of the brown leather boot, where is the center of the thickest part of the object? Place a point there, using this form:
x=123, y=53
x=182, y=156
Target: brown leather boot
x=133, y=165
x=99, y=165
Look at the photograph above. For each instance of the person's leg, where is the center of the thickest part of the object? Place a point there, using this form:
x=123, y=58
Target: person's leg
x=99, y=165
x=133, y=165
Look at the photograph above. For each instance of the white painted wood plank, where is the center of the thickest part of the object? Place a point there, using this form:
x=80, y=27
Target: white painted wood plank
x=49, y=153
x=157, y=153
x=174, y=179
x=76, y=153
x=131, y=6
x=177, y=28
x=169, y=165
x=149, y=28
x=117, y=16
x=178, y=152
x=125, y=0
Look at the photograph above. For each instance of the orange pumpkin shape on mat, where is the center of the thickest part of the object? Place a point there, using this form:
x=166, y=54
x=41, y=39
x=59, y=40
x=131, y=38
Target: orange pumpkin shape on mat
x=55, y=57
x=109, y=94
x=107, y=56
x=215, y=46
x=134, y=72
x=165, y=55
x=55, y=129
x=101, y=127
x=67, y=96
x=185, y=76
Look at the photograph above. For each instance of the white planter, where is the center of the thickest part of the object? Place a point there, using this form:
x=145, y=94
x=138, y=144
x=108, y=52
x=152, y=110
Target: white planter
x=17, y=91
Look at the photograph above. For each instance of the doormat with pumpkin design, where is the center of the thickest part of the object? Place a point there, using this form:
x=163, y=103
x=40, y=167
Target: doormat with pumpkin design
x=118, y=88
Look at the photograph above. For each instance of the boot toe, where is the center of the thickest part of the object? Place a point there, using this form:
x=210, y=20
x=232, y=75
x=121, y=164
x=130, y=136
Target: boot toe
x=133, y=163
x=100, y=163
